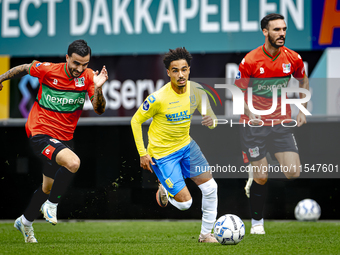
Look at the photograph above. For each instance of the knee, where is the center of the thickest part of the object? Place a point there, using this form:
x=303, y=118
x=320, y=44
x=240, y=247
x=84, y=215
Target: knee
x=209, y=187
x=293, y=175
x=73, y=165
x=46, y=189
x=261, y=181
x=183, y=206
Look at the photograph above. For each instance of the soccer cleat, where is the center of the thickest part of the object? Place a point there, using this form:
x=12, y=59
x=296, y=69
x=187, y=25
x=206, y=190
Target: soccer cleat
x=207, y=238
x=249, y=182
x=162, y=196
x=49, y=212
x=257, y=230
x=28, y=232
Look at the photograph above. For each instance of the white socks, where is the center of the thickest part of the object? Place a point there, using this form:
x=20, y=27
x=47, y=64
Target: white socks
x=180, y=205
x=209, y=205
x=25, y=221
x=256, y=222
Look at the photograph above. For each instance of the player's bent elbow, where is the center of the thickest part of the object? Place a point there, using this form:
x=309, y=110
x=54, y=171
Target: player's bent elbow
x=99, y=111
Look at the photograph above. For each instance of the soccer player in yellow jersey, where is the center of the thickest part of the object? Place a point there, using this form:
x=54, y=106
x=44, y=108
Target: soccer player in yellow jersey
x=171, y=153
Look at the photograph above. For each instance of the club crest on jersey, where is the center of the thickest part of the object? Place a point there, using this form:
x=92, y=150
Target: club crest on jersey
x=192, y=99
x=238, y=76
x=80, y=82
x=286, y=68
x=254, y=152
x=146, y=105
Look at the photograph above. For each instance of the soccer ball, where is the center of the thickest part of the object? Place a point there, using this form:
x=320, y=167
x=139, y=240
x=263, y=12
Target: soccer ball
x=307, y=210
x=229, y=229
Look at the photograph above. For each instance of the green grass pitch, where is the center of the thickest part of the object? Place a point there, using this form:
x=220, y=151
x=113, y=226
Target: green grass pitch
x=168, y=237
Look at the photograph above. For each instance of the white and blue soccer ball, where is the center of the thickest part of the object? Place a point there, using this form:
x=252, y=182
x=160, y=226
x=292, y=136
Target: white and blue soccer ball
x=307, y=210
x=229, y=229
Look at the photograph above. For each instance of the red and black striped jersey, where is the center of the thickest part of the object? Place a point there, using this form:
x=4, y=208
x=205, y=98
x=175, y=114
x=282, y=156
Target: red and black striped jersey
x=263, y=72
x=59, y=101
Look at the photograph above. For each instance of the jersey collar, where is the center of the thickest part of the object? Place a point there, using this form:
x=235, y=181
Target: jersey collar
x=67, y=72
x=273, y=58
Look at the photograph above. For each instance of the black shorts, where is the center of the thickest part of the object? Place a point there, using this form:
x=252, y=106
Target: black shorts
x=47, y=148
x=257, y=141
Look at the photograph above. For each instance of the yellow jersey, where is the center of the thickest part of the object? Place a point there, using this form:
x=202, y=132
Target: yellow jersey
x=171, y=113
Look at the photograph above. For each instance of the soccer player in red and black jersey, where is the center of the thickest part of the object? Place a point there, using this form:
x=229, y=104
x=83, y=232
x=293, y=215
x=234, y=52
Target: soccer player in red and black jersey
x=51, y=124
x=263, y=69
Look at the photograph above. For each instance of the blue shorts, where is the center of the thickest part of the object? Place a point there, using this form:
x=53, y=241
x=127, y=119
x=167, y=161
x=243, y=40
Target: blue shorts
x=187, y=162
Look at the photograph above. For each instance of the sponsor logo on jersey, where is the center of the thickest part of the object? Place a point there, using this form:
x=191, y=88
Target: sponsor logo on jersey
x=61, y=101
x=270, y=87
x=54, y=140
x=254, y=152
x=64, y=101
x=174, y=102
x=47, y=64
x=37, y=65
x=238, y=76
x=48, y=151
x=179, y=116
x=286, y=68
x=169, y=183
x=146, y=105
x=243, y=60
x=80, y=82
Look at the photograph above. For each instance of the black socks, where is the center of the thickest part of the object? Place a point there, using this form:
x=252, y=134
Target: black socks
x=258, y=194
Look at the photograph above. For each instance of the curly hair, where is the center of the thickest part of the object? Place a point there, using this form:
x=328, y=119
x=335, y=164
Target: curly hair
x=176, y=54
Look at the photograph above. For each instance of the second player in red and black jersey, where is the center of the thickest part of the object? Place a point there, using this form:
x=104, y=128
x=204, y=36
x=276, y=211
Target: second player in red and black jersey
x=263, y=72
x=268, y=69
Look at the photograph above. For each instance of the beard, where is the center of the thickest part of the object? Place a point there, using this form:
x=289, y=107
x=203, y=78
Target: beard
x=181, y=85
x=72, y=71
x=272, y=41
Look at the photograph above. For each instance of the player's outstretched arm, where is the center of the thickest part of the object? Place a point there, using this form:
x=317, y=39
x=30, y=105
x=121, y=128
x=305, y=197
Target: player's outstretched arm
x=15, y=72
x=145, y=162
x=99, y=101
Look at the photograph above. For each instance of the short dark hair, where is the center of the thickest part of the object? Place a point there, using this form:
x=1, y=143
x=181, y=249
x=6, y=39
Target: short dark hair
x=79, y=47
x=269, y=17
x=177, y=54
